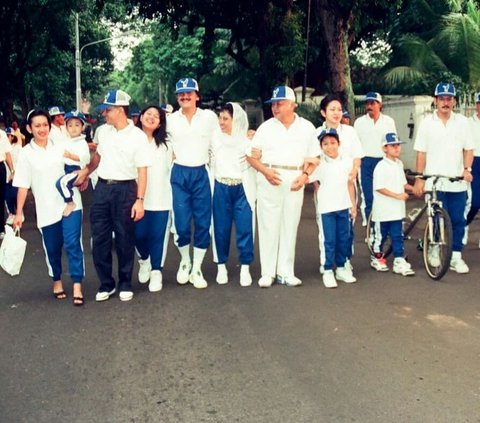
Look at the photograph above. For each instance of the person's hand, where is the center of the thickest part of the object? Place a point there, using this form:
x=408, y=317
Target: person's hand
x=299, y=183
x=66, y=154
x=256, y=153
x=467, y=176
x=137, y=211
x=308, y=161
x=403, y=196
x=92, y=146
x=353, y=213
x=18, y=221
x=418, y=187
x=272, y=176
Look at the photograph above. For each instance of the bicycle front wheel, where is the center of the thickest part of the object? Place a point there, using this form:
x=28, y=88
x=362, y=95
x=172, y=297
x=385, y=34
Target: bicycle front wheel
x=437, y=243
x=371, y=237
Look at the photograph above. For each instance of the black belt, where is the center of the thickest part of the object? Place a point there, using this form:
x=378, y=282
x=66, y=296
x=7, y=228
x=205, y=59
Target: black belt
x=115, y=181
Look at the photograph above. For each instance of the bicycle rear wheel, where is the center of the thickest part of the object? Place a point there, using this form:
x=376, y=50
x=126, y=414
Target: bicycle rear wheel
x=370, y=239
x=437, y=243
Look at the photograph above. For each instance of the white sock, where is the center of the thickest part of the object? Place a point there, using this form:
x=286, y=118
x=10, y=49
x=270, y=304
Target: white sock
x=222, y=267
x=245, y=268
x=198, y=255
x=184, y=253
x=456, y=255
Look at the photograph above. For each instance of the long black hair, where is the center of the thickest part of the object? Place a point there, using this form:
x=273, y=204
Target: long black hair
x=159, y=134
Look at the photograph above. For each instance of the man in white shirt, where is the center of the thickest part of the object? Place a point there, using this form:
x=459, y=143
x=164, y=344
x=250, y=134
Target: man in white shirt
x=289, y=153
x=122, y=158
x=190, y=131
x=444, y=146
x=371, y=129
x=58, y=132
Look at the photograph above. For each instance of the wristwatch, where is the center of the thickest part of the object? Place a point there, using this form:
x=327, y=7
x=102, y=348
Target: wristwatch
x=468, y=169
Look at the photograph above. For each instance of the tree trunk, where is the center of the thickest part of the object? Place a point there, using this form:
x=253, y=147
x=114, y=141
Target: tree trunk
x=335, y=31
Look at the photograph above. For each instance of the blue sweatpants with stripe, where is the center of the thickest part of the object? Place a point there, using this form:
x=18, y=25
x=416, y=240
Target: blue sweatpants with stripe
x=336, y=242
x=151, y=236
x=366, y=181
x=66, y=233
x=392, y=229
x=192, y=200
x=65, y=183
x=454, y=203
x=230, y=205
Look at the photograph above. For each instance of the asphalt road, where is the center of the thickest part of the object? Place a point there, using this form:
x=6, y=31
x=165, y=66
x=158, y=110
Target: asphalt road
x=386, y=349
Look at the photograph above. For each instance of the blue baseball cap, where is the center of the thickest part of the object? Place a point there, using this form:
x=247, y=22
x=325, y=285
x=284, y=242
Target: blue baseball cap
x=391, y=138
x=282, y=92
x=9, y=131
x=115, y=98
x=332, y=132
x=445, y=89
x=373, y=96
x=56, y=110
x=186, y=85
x=346, y=114
x=74, y=114
x=135, y=112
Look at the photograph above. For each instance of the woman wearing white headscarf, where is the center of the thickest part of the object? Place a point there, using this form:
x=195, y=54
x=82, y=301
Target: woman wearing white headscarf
x=233, y=194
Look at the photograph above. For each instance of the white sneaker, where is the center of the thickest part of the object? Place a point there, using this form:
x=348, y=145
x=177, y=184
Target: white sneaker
x=245, y=277
x=402, y=267
x=433, y=256
x=459, y=266
x=125, y=295
x=183, y=273
x=348, y=265
x=265, y=282
x=222, y=274
x=104, y=295
x=144, y=270
x=345, y=274
x=196, y=278
x=379, y=264
x=291, y=281
x=329, y=279
x=155, y=284
x=10, y=219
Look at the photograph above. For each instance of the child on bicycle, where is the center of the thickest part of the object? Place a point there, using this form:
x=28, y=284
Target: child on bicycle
x=335, y=199
x=388, y=210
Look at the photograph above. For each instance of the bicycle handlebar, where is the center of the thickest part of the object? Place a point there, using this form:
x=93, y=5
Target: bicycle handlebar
x=425, y=177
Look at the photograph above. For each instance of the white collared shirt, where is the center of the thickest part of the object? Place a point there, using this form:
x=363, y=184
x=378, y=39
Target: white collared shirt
x=79, y=147
x=5, y=146
x=350, y=144
x=333, y=194
x=122, y=152
x=474, y=122
x=444, y=146
x=192, y=140
x=286, y=146
x=158, y=195
x=372, y=133
x=388, y=174
x=38, y=169
x=229, y=155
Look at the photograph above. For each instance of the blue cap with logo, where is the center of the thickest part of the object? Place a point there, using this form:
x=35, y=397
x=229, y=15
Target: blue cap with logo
x=56, y=110
x=373, y=96
x=186, y=85
x=391, y=138
x=9, y=131
x=445, y=89
x=115, y=98
x=332, y=132
x=282, y=92
x=74, y=114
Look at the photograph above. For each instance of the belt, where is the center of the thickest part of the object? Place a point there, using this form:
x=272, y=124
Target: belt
x=115, y=181
x=284, y=167
x=229, y=181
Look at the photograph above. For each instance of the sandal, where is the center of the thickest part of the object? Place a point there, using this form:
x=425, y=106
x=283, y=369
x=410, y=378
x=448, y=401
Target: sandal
x=78, y=301
x=60, y=295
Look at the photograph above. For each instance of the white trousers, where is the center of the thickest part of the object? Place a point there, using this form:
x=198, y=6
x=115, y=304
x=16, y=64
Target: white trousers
x=278, y=212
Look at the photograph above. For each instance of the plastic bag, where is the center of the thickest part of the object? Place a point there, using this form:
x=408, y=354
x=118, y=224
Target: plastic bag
x=12, y=251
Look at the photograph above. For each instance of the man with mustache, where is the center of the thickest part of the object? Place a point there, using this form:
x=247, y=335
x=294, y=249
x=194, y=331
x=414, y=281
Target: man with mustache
x=444, y=145
x=371, y=129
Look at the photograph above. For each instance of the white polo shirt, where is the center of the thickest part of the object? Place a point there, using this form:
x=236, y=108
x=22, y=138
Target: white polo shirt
x=5, y=146
x=229, y=155
x=122, y=152
x=158, y=195
x=388, y=174
x=474, y=122
x=192, y=140
x=333, y=194
x=58, y=133
x=38, y=169
x=371, y=133
x=286, y=146
x=350, y=144
x=79, y=147
x=444, y=146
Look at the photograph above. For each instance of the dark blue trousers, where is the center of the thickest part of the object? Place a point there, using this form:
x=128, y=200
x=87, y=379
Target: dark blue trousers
x=366, y=181
x=454, y=203
x=230, y=205
x=336, y=243
x=394, y=230
x=110, y=212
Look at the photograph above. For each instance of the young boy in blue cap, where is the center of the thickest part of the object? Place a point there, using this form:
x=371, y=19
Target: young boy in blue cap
x=388, y=210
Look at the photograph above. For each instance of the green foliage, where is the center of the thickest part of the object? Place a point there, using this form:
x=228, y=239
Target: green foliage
x=310, y=112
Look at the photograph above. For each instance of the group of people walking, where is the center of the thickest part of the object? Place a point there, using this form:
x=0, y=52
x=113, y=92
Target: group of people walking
x=171, y=172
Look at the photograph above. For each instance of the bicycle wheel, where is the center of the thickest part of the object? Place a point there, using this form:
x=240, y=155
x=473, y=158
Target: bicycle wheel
x=370, y=239
x=437, y=243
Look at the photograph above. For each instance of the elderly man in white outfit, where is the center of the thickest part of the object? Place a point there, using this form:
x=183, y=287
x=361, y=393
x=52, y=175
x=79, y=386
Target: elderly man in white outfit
x=289, y=154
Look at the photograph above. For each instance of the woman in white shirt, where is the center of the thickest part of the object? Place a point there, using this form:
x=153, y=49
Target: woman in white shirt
x=151, y=234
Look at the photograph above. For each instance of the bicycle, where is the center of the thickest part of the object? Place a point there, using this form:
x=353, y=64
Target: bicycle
x=437, y=236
